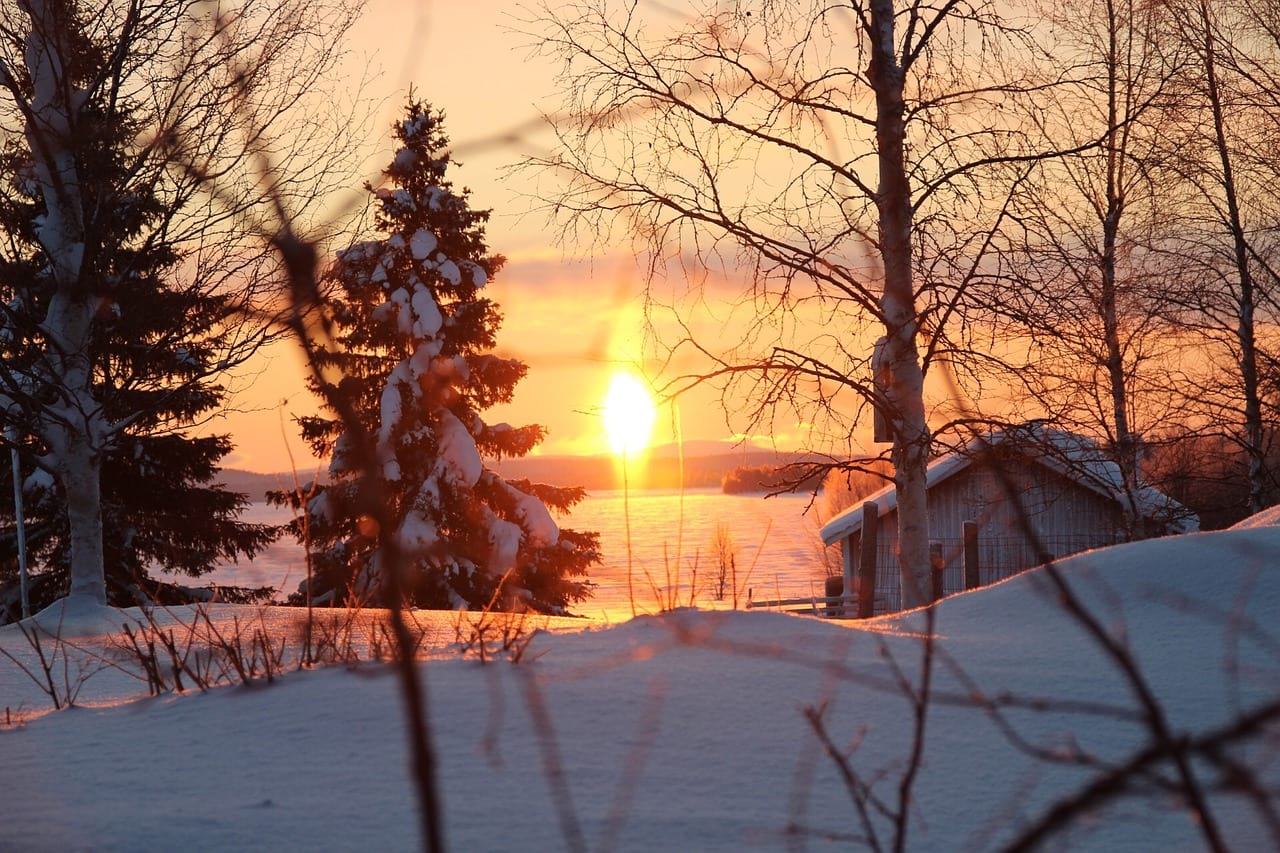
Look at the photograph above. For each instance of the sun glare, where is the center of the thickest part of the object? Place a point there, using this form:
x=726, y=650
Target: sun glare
x=629, y=413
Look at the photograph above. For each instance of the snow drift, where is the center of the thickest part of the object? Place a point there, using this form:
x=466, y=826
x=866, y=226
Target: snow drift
x=687, y=730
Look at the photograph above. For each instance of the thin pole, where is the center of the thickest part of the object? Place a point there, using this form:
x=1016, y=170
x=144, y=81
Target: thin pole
x=12, y=436
x=626, y=517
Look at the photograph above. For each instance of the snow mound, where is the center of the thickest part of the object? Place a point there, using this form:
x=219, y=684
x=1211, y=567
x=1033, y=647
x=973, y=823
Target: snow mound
x=1267, y=518
x=80, y=616
x=687, y=730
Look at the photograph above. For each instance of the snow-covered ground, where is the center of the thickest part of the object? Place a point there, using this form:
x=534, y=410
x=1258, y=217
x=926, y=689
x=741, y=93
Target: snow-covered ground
x=686, y=731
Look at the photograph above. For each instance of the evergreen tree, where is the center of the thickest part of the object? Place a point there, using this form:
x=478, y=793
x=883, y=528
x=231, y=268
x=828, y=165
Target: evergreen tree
x=157, y=339
x=415, y=338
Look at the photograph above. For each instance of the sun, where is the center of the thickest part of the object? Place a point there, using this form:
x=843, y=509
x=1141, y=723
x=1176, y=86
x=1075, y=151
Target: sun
x=629, y=413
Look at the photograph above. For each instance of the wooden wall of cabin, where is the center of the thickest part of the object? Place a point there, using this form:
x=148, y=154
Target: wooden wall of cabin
x=1066, y=518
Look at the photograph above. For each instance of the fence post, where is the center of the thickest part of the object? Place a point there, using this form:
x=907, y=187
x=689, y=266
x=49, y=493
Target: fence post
x=849, y=575
x=937, y=570
x=833, y=589
x=969, y=533
x=867, y=561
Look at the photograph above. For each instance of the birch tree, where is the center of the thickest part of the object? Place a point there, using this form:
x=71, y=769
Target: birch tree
x=205, y=85
x=1081, y=277
x=155, y=355
x=842, y=153
x=1227, y=156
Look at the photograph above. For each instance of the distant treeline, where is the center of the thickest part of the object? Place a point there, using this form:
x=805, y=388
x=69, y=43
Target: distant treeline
x=255, y=486
x=663, y=470
x=764, y=479
x=600, y=473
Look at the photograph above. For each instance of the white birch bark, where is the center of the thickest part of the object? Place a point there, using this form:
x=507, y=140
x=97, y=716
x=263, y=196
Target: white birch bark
x=72, y=428
x=904, y=390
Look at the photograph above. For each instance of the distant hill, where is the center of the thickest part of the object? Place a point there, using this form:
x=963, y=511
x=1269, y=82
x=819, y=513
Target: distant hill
x=663, y=471
x=701, y=449
x=256, y=485
x=706, y=466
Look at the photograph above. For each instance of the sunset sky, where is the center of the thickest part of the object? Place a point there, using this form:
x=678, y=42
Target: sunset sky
x=575, y=318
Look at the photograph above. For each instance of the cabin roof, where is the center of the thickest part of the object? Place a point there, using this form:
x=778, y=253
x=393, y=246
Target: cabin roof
x=1073, y=456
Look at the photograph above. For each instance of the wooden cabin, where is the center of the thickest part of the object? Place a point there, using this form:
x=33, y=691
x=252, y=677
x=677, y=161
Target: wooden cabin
x=1072, y=495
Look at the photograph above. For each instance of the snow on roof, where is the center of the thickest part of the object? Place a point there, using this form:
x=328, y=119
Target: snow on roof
x=1071, y=455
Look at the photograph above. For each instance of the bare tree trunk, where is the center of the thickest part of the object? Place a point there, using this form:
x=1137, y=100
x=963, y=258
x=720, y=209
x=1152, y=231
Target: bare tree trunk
x=1125, y=448
x=79, y=473
x=905, y=387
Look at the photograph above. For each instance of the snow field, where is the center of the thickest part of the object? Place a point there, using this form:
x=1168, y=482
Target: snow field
x=686, y=731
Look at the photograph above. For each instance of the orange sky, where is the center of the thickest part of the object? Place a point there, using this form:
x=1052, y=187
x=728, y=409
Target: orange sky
x=573, y=319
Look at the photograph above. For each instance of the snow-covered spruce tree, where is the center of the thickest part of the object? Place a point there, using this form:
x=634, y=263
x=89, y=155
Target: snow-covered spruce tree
x=415, y=337
x=151, y=351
